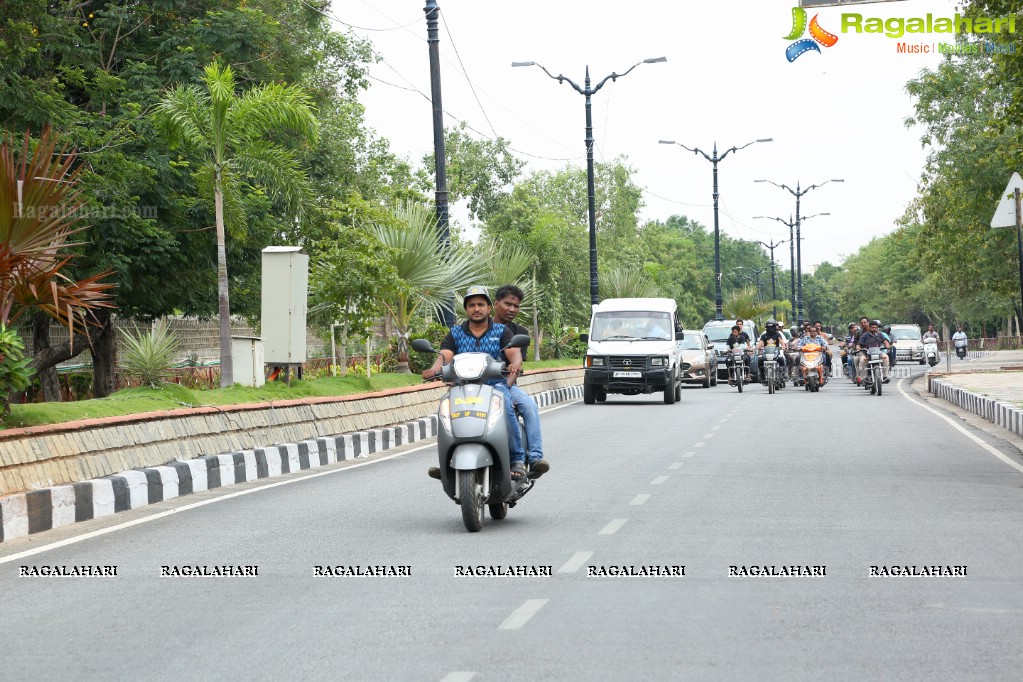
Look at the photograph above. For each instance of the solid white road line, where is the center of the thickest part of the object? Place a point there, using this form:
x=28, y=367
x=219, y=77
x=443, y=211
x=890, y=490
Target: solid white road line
x=675, y=465
x=975, y=439
x=522, y=614
x=458, y=677
x=639, y=499
x=577, y=561
x=659, y=480
x=612, y=528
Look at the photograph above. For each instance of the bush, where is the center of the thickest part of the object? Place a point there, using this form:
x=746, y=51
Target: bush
x=433, y=331
x=149, y=356
x=563, y=343
x=15, y=374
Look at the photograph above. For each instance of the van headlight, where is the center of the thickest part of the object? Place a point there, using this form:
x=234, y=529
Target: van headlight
x=658, y=362
x=594, y=361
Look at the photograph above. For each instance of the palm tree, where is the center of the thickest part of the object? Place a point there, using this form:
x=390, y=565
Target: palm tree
x=430, y=276
x=622, y=283
x=230, y=133
x=743, y=303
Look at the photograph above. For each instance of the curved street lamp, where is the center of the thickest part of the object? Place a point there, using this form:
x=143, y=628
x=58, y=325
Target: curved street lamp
x=797, y=193
x=792, y=254
x=714, y=159
x=586, y=91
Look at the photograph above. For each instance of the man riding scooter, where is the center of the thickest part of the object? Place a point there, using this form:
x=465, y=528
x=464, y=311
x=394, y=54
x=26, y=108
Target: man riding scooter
x=480, y=334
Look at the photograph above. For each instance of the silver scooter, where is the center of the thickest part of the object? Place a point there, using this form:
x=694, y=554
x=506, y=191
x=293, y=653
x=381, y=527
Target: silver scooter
x=472, y=436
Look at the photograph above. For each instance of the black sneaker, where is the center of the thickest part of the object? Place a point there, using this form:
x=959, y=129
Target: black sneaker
x=433, y=472
x=538, y=467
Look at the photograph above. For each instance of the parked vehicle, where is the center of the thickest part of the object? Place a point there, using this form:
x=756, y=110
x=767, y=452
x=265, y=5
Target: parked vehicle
x=738, y=372
x=908, y=342
x=472, y=436
x=699, y=362
x=634, y=346
x=811, y=362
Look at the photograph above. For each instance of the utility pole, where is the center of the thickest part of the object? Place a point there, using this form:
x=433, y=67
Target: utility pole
x=439, y=160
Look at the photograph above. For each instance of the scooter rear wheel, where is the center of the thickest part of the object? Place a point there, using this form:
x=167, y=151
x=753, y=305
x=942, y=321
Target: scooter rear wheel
x=498, y=510
x=470, y=484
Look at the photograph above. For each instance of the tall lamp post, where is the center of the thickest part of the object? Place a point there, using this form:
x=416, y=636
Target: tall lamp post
x=798, y=194
x=714, y=159
x=792, y=254
x=586, y=91
x=771, y=247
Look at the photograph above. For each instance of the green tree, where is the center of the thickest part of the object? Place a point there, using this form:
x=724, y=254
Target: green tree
x=230, y=134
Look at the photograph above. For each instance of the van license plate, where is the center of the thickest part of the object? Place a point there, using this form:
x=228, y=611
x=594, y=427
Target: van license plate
x=628, y=375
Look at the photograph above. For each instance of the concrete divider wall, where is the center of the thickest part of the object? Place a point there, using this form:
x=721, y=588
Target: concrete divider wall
x=41, y=457
x=1005, y=415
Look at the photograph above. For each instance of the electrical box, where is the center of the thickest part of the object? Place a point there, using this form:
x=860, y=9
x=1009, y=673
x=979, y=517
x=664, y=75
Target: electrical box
x=284, y=304
x=247, y=360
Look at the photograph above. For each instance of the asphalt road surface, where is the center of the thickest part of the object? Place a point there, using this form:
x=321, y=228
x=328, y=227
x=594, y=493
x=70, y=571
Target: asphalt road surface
x=826, y=484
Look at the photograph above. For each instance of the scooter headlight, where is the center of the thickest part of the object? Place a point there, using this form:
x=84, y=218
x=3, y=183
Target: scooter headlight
x=445, y=415
x=496, y=411
x=470, y=366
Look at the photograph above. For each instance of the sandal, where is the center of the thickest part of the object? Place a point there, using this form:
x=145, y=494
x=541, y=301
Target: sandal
x=518, y=471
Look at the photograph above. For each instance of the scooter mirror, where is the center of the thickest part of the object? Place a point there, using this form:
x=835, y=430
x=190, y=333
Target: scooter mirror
x=518, y=341
x=422, y=345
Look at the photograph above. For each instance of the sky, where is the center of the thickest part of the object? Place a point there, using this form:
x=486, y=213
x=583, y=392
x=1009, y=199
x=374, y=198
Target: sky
x=838, y=113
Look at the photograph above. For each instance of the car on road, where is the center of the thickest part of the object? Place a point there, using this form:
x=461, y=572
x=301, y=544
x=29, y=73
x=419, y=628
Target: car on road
x=909, y=344
x=699, y=362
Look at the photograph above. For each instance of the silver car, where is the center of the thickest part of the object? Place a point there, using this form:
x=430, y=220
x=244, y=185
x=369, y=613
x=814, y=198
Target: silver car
x=699, y=362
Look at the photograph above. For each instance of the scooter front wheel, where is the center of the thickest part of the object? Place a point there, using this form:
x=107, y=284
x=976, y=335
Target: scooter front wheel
x=498, y=510
x=470, y=485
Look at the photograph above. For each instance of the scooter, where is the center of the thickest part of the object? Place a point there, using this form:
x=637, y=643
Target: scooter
x=472, y=440
x=931, y=351
x=811, y=361
x=961, y=349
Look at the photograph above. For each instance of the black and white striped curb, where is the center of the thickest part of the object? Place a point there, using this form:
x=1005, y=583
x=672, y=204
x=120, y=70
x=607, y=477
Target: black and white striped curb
x=41, y=510
x=1006, y=415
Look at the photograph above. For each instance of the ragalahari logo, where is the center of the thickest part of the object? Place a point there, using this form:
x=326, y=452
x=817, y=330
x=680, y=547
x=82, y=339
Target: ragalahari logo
x=817, y=35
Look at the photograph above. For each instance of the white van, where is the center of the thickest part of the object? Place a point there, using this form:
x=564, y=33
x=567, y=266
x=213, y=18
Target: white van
x=634, y=346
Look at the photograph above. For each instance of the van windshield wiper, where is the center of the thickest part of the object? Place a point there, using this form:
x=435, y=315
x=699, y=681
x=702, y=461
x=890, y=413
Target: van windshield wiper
x=617, y=337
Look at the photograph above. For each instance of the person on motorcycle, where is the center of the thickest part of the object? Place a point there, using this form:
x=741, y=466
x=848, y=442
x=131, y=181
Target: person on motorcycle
x=480, y=334
x=960, y=341
x=849, y=349
x=771, y=337
x=819, y=326
x=506, y=307
x=872, y=339
x=812, y=335
x=739, y=338
x=931, y=335
x=893, y=358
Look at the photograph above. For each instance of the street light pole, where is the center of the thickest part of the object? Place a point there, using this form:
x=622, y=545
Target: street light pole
x=792, y=254
x=771, y=247
x=714, y=159
x=798, y=194
x=439, y=159
x=591, y=207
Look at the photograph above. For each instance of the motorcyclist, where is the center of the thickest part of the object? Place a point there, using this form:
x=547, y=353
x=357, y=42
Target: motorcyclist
x=739, y=338
x=812, y=335
x=959, y=339
x=872, y=339
x=480, y=334
x=771, y=337
x=819, y=326
x=931, y=335
x=893, y=357
x=849, y=349
x=506, y=307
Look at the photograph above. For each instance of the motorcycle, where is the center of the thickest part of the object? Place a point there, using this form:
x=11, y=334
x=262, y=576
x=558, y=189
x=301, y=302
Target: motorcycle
x=472, y=438
x=873, y=381
x=770, y=376
x=961, y=348
x=931, y=351
x=811, y=361
x=738, y=372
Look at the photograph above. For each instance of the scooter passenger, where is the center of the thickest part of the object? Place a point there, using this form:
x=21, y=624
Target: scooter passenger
x=480, y=334
x=506, y=307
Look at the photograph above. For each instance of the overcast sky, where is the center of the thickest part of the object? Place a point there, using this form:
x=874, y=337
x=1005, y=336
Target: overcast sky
x=835, y=114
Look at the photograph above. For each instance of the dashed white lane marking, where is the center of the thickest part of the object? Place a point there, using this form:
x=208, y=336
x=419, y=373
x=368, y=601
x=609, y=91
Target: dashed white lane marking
x=675, y=465
x=577, y=561
x=975, y=439
x=689, y=454
x=458, y=677
x=708, y=436
x=612, y=528
x=698, y=445
x=521, y=615
x=639, y=499
x=659, y=480
x=716, y=426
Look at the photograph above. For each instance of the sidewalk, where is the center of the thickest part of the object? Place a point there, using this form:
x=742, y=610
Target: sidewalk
x=990, y=386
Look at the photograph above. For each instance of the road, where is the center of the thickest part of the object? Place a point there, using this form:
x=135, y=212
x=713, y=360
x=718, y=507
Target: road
x=837, y=480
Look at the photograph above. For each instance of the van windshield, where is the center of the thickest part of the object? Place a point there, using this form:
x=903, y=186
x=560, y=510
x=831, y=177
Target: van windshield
x=905, y=334
x=631, y=326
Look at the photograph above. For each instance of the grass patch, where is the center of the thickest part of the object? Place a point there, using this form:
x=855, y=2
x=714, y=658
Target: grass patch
x=175, y=397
